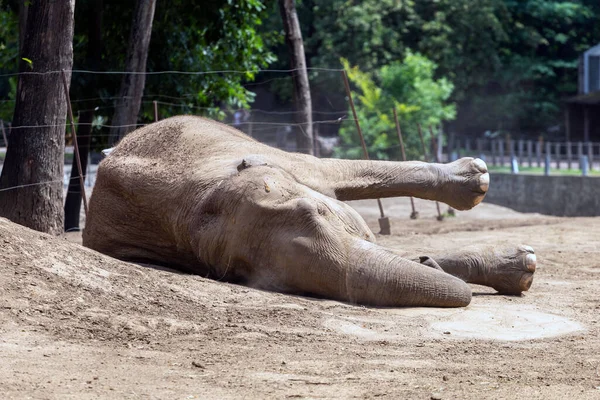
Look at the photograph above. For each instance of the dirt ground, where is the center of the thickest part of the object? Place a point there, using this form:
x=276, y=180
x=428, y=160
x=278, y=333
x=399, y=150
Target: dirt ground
x=77, y=324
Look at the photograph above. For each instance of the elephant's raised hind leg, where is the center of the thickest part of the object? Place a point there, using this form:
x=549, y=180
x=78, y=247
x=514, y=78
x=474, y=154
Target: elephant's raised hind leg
x=508, y=269
x=461, y=184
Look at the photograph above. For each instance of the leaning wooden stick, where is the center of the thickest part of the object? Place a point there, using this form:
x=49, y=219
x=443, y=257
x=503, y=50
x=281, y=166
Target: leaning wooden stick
x=422, y=143
x=384, y=222
x=436, y=157
x=439, y=217
x=414, y=214
x=75, y=145
x=155, y=110
x=4, y=134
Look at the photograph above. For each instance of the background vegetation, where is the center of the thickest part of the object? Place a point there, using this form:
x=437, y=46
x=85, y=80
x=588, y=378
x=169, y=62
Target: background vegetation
x=473, y=65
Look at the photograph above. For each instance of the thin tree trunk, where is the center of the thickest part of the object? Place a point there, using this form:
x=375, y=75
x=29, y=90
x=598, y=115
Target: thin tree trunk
x=84, y=130
x=293, y=37
x=31, y=180
x=132, y=85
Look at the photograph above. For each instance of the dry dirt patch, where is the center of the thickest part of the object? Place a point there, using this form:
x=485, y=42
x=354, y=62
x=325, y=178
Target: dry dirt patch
x=77, y=324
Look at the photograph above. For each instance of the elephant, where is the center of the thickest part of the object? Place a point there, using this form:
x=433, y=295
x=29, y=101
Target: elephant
x=202, y=197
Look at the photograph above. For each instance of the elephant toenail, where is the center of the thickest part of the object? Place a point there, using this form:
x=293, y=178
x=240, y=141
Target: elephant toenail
x=484, y=182
x=526, y=282
x=528, y=249
x=480, y=165
x=531, y=262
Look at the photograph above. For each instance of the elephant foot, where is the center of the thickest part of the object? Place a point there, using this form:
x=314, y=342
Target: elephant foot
x=512, y=270
x=468, y=181
x=508, y=269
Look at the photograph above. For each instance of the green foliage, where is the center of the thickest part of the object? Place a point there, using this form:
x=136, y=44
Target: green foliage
x=411, y=88
x=512, y=61
x=213, y=36
x=218, y=35
x=369, y=33
x=540, y=60
x=464, y=38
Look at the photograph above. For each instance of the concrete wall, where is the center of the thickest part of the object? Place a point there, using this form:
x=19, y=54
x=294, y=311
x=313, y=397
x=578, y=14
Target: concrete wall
x=552, y=195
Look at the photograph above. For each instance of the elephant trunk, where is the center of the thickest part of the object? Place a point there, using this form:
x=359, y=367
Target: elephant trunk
x=378, y=277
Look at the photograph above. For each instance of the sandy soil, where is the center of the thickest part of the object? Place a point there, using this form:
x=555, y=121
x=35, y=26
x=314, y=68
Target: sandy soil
x=77, y=324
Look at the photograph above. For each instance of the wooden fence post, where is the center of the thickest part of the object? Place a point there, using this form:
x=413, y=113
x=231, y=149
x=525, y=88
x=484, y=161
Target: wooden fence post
x=384, y=222
x=557, y=151
x=569, y=154
x=520, y=147
x=75, y=144
x=436, y=146
x=414, y=214
x=530, y=153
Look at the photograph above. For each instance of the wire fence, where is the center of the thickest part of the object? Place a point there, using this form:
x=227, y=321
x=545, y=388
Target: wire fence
x=171, y=72
x=274, y=122
x=261, y=121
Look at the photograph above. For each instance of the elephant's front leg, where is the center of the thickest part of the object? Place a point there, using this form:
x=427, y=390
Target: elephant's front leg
x=508, y=269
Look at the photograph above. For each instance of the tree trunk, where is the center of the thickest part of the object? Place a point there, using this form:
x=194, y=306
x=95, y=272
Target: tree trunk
x=132, y=85
x=31, y=182
x=293, y=37
x=84, y=130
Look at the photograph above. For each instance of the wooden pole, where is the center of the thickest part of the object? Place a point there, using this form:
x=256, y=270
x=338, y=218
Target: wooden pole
x=440, y=217
x=548, y=154
x=360, y=134
x=422, y=143
x=155, y=111
x=75, y=145
x=590, y=152
x=384, y=223
x=414, y=214
x=586, y=124
x=521, y=148
x=4, y=134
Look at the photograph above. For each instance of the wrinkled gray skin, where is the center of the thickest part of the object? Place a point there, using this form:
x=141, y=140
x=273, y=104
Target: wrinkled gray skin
x=200, y=196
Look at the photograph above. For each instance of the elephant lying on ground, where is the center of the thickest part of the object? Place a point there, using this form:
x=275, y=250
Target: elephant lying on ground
x=200, y=196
